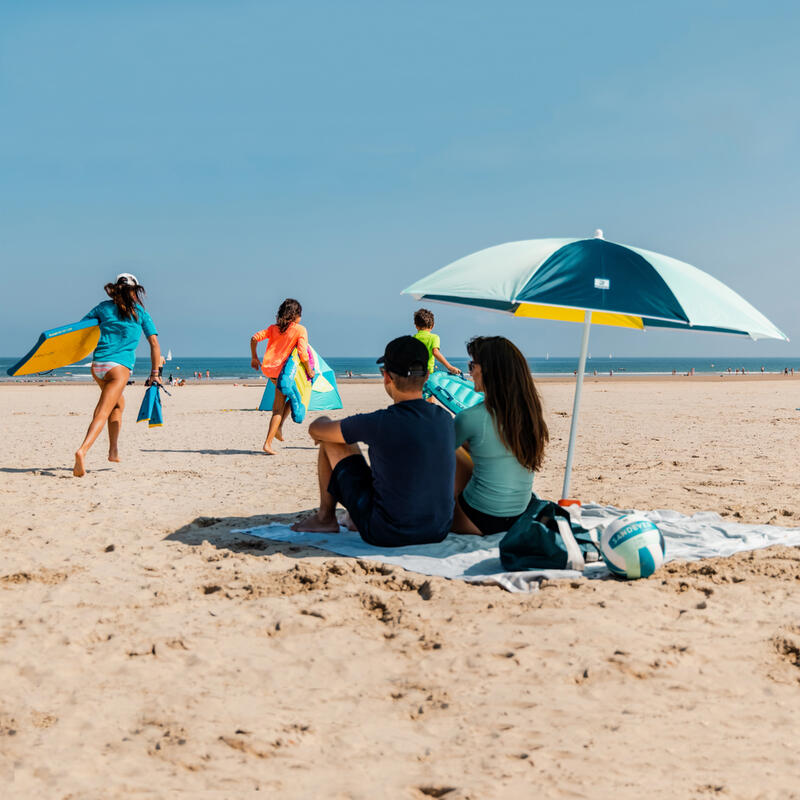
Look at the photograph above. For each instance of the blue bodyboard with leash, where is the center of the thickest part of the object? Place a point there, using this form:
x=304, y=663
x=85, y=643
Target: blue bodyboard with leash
x=452, y=391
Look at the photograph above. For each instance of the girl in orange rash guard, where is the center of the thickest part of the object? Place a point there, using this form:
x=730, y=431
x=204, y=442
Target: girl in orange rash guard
x=286, y=334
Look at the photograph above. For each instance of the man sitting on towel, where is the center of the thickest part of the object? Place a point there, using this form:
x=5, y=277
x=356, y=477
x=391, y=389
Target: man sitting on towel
x=406, y=496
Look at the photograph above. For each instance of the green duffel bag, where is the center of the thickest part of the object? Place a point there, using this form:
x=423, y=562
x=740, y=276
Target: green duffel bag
x=544, y=537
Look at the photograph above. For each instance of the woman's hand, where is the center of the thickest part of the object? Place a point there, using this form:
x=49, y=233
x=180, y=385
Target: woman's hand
x=255, y=363
x=310, y=373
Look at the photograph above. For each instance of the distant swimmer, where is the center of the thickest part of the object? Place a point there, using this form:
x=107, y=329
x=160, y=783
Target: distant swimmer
x=122, y=320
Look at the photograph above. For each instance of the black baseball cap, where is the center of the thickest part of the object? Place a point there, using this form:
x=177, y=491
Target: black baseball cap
x=405, y=356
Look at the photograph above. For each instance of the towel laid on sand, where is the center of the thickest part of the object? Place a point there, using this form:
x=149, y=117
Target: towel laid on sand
x=476, y=558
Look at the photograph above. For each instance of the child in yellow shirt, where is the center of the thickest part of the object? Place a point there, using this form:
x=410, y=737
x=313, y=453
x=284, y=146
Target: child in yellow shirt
x=424, y=321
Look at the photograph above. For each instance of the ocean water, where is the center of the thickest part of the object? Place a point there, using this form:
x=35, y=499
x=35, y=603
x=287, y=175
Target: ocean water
x=239, y=368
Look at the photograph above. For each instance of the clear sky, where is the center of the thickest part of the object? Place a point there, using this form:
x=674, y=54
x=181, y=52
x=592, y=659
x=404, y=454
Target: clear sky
x=233, y=153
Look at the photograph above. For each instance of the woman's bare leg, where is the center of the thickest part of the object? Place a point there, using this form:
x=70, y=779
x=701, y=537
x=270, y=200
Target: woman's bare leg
x=278, y=405
x=114, y=427
x=111, y=388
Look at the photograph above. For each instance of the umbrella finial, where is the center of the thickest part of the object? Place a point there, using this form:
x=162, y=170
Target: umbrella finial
x=598, y=234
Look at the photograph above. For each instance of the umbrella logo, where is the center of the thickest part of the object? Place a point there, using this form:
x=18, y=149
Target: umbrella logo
x=602, y=283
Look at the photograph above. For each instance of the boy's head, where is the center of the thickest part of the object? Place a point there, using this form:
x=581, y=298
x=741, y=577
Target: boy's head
x=423, y=319
x=404, y=365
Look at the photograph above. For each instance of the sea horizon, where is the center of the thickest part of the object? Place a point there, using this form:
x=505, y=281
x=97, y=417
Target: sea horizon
x=364, y=367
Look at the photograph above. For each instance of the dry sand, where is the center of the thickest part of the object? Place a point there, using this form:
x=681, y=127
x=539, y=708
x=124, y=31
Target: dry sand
x=147, y=651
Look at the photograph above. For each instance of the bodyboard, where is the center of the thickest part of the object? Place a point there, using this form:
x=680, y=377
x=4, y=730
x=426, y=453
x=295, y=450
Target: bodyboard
x=59, y=347
x=324, y=394
x=453, y=392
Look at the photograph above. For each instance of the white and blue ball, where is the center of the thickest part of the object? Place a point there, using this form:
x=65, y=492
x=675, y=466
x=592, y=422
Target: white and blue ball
x=632, y=546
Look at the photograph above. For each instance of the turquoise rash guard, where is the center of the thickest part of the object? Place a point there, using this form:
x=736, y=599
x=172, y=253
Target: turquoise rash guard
x=118, y=336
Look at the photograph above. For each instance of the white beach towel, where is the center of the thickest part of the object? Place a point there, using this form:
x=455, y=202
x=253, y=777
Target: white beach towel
x=477, y=559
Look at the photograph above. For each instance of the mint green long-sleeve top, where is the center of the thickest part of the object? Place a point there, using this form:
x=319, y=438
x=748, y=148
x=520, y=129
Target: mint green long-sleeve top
x=499, y=485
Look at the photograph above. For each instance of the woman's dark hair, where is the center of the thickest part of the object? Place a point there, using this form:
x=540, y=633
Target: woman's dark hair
x=288, y=312
x=126, y=297
x=511, y=398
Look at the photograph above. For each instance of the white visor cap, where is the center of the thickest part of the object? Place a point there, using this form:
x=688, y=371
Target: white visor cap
x=126, y=277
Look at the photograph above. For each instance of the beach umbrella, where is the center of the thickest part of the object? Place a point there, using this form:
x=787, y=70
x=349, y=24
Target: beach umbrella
x=593, y=281
x=324, y=391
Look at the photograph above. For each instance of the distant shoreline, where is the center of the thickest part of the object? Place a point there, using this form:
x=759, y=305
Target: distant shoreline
x=704, y=377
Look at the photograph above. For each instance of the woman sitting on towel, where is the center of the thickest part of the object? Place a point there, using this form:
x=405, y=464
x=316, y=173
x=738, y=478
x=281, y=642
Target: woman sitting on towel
x=500, y=441
x=122, y=320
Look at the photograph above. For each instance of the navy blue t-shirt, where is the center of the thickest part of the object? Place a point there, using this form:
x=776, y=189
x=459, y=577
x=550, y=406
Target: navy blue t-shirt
x=412, y=455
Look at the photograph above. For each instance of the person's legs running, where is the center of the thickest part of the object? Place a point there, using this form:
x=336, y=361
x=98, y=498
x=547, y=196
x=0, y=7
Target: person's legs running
x=278, y=405
x=114, y=427
x=284, y=415
x=111, y=388
x=324, y=521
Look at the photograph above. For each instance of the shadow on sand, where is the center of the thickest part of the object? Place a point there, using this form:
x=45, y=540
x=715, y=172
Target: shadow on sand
x=50, y=471
x=209, y=452
x=218, y=533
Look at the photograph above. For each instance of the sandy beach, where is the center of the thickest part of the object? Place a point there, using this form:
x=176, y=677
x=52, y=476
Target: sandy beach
x=147, y=650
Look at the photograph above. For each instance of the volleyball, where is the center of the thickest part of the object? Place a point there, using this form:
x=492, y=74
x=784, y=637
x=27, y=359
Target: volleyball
x=632, y=546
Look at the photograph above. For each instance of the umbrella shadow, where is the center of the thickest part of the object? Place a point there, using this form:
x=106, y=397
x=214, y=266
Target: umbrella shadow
x=218, y=532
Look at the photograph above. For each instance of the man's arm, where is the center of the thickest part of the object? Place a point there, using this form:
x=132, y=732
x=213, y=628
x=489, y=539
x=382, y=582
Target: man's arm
x=324, y=429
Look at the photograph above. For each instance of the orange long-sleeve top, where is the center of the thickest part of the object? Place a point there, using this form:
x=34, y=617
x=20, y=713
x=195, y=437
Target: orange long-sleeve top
x=280, y=346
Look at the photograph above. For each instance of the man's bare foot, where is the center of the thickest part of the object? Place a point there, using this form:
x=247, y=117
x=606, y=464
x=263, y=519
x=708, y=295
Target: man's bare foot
x=267, y=448
x=347, y=521
x=314, y=524
x=79, y=470
x=113, y=455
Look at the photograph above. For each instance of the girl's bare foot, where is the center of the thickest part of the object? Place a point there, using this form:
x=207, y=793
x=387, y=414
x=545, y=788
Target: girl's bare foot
x=279, y=435
x=79, y=470
x=267, y=448
x=113, y=455
x=314, y=524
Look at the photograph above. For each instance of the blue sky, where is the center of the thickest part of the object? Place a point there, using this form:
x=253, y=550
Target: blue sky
x=234, y=153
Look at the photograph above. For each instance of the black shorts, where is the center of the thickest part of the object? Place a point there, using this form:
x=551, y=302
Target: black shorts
x=487, y=524
x=351, y=485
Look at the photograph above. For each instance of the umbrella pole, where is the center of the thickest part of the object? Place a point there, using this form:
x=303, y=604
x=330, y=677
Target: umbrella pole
x=573, y=430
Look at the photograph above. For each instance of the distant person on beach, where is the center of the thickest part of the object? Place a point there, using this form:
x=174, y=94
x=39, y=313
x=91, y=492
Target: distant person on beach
x=424, y=322
x=405, y=495
x=208, y=374
x=500, y=441
x=284, y=336
x=122, y=321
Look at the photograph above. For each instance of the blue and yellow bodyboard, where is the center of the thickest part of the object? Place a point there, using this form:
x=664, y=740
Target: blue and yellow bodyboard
x=320, y=395
x=59, y=347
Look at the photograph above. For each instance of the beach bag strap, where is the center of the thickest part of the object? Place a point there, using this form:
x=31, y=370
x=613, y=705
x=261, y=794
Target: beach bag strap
x=575, y=558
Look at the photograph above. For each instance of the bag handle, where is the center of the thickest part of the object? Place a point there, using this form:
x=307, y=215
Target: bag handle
x=575, y=558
